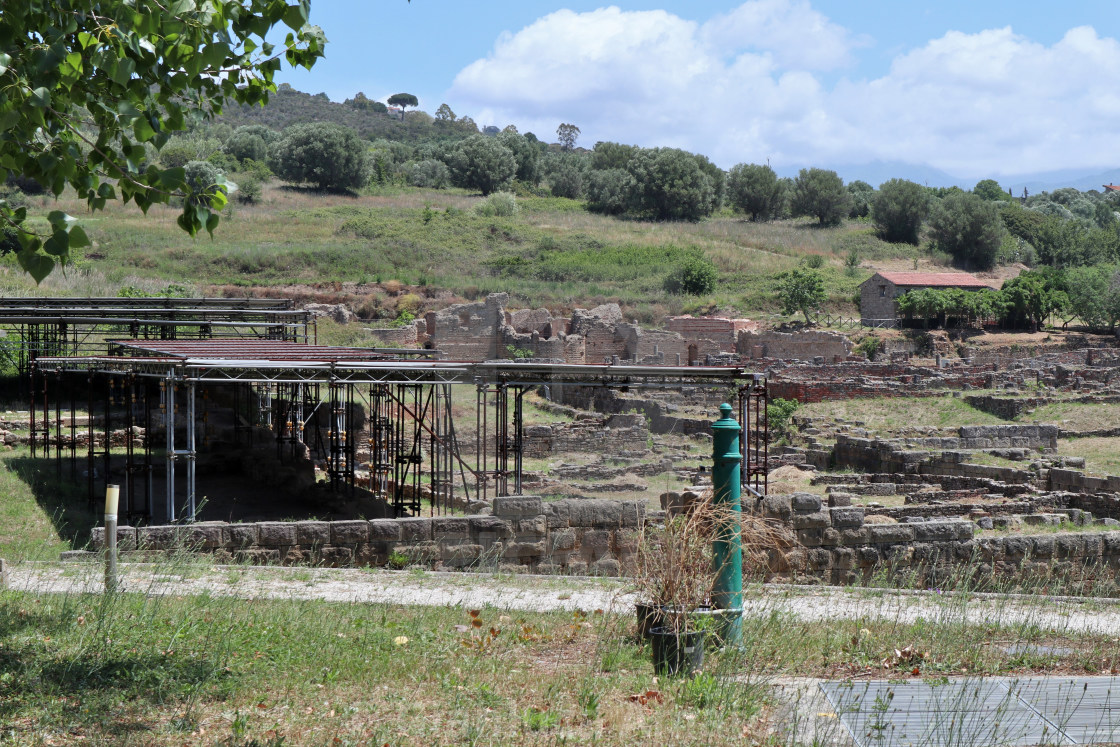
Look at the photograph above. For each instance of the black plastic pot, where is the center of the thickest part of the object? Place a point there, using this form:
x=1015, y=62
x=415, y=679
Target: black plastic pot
x=649, y=617
x=675, y=652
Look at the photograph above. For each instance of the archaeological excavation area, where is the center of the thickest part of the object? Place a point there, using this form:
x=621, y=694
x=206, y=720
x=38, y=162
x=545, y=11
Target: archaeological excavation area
x=525, y=441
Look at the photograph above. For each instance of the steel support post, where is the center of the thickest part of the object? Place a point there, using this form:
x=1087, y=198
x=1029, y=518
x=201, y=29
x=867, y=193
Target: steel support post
x=727, y=550
x=170, y=406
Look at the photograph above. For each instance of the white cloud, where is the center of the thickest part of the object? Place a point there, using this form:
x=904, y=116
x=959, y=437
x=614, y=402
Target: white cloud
x=747, y=86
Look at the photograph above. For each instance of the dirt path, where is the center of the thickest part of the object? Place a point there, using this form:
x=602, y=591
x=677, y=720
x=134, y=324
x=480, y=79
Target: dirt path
x=541, y=593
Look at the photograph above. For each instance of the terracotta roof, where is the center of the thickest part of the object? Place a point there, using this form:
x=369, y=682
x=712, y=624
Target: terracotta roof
x=1112, y=187
x=935, y=279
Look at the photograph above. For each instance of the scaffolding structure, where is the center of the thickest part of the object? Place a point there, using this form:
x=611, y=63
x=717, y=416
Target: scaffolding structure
x=67, y=327
x=372, y=420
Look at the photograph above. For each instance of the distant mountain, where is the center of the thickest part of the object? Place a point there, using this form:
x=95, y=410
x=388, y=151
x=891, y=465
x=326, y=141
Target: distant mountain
x=877, y=172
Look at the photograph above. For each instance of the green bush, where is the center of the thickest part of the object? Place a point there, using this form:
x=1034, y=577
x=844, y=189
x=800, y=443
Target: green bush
x=430, y=173
x=203, y=180
x=672, y=184
x=779, y=412
x=697, y=277
x=249, y=189
x=321, y=153
x=499, y=204
x=482, y=163
x=609, y=191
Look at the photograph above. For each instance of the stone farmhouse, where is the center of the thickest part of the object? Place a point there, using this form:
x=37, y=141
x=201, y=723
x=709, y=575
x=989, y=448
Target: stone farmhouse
x=878, y=306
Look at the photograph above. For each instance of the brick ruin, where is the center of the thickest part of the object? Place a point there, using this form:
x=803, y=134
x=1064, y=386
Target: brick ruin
x=486, y=330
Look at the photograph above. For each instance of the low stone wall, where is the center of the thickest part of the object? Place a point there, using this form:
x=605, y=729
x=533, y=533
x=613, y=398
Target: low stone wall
x=569, y=536
x=1079, y=482
x=836, y=546
x=617, y=435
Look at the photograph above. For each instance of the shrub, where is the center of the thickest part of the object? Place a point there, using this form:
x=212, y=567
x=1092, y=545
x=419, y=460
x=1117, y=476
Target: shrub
x=499, y=204
x=244, y=144
x=249, y=189
x=696, y=277
x=778, y=415
x=609, y=191
x=321, y=153
x=862, y=195
x=567, y=181
x=430, y=173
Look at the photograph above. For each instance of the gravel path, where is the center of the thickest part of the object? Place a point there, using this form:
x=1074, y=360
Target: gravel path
x=541, y=593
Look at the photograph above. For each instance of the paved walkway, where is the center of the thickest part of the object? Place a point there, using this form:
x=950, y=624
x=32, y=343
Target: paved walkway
x=541, y=593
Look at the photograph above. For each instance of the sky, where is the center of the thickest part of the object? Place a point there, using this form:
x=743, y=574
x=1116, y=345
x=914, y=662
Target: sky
x=977, y=89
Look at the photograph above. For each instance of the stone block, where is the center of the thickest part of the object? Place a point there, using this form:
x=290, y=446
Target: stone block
x=855, y=537
x=777, y=507
x=534, y=525
x=163, y=537
x=313, y=533
x=605, y=567
x=204, y=535
x=595, y=543
x=817, y=520
x=258, y=555
x=563, y=541
x=810, y=537
x=276, y=533
x=883, y=534
x=839, y=500
x=943, y=531
x=460, y=555
x=414, y=530
x=844, y=557
x=384, y=530
x=336, y=557
x=819, y=559
x=516, y=506
x=1069, y=546
x=448, y=528
x=524, y=551
x=805, y=502
x=846, y=517
x=349, y=532
x=1042, y=547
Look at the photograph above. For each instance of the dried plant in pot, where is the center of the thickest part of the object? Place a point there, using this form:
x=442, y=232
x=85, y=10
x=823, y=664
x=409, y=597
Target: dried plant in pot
x=674, y=577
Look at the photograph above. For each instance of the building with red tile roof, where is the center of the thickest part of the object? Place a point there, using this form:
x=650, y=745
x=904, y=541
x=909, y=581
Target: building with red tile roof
x=878, y=306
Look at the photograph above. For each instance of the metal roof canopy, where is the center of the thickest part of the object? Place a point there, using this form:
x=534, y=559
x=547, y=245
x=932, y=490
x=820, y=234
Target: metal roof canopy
x=292, y=362
x=54, y=302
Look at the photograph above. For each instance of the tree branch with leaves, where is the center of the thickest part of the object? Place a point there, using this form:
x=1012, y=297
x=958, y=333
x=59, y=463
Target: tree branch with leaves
x=87, y=86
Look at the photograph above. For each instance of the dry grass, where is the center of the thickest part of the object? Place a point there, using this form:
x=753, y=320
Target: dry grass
x=786, y=480
x=1102, y=455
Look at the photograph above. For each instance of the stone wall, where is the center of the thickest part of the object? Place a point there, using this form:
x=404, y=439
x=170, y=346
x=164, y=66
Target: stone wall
x=721, y=331
x=617, y=435
x=836, y=546
x=802, y=346
x=575, y=536
x=469, y=331
x=877, y=306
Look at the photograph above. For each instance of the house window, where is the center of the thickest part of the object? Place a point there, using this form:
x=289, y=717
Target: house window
x=882, y=291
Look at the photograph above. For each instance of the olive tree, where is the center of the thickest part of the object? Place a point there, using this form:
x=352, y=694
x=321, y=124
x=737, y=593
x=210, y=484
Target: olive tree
x=968, y=228
x=671, y=184
x=821, y=194
x=801, y=290
x=754, y=190
x=325, y=154
x=898, y=209
x=482, y=163
x=86, y=88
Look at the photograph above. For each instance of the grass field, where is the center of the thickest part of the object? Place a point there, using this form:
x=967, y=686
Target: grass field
x=553, y=253
x=131, y=669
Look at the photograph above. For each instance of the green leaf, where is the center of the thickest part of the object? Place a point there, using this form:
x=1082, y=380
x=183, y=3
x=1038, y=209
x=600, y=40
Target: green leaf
x=78, y=238
x=38, y=266
x=5, y=60
x=58, y=244
x=8, y=120
x=143, y=130
x=295, y=16
x=41, y=97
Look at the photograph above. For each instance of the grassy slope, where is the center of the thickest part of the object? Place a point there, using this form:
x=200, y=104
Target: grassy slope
x=553, y=253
